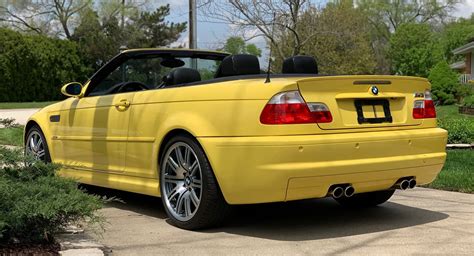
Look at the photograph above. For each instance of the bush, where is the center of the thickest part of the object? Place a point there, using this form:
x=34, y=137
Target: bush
x=8, y=123
x=460, y=130
x=469, y=101
x=33, y=67
x=445, y=85
x=35, y=203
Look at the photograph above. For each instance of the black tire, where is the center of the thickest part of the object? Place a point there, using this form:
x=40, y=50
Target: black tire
x=212, y=209
x=369, y=199
x=36, y=129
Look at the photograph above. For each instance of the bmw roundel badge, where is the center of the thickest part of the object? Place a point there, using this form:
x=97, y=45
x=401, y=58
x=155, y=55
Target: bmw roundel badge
x=374, y=90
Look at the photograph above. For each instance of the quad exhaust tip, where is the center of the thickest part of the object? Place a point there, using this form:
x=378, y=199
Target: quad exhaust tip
x=405, y=184
x=337, y=192
x=340, y=191
x=349, y=191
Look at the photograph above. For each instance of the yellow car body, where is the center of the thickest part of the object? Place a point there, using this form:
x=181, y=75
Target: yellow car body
x=115, y=140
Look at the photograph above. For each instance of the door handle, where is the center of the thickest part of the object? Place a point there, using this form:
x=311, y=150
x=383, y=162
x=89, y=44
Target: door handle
x=122, y=104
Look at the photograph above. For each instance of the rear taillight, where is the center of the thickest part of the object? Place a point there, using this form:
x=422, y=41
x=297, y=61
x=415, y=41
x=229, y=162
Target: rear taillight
x=424, y=108
x=290, y=108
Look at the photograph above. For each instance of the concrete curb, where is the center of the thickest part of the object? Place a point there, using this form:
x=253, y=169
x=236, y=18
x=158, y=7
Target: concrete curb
x=460, y=146
x=76, y=242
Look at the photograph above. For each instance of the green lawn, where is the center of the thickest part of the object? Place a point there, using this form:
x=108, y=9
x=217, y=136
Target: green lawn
x=458, y=172
x=450, y=112
x=11, y=136
x=12, y=105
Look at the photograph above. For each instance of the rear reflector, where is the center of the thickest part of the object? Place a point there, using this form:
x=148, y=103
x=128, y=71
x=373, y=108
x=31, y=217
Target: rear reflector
x=424, y=108
x=290, y=108
x=321, y=113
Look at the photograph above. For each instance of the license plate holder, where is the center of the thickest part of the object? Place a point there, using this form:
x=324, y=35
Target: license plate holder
x=377, y=120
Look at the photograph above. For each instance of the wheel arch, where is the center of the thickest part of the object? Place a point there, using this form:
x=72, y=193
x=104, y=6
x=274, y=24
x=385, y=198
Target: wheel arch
x=169, y=135
x=181, y=131
x=28, y=126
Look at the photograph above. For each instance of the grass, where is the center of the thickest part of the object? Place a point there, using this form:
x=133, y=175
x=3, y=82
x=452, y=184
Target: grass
x=458, y=172
x=11, y=136
x=13, y=105
x=451, y=112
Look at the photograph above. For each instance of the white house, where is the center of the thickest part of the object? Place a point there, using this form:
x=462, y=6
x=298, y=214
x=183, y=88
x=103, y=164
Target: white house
x=465, y=67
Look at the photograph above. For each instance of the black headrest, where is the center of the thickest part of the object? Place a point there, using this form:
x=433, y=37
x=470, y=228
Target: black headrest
x=300, y=65
x=182, y=76
x=238, y=64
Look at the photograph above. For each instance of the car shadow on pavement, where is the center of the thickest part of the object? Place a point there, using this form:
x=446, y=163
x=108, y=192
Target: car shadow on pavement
x=140, y=204
x=292, y=221
x=321, y=219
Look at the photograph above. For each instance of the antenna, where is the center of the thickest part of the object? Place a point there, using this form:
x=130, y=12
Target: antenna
x=271, y=47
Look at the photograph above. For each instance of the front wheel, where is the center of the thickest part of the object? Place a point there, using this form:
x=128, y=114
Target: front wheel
x=36, y=146
x=368, y=199
x=189, y=191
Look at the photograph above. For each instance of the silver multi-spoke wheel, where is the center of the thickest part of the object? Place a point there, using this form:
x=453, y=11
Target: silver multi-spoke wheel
x=35, y=145
x=181, y=181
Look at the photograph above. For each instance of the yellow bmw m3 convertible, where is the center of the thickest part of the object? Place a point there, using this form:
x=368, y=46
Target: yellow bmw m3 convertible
x=205, y=130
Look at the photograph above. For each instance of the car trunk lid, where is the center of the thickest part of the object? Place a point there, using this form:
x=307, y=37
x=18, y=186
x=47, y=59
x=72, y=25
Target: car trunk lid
x=359, y=102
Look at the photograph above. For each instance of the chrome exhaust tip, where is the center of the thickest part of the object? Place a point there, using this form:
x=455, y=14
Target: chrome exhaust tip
x=412, y=183
x=403, y=185
x=349, y=191
x=337, y=192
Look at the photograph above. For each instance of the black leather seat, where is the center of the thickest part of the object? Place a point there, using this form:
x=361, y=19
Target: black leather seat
x=179, y=76
x=300, y=65
x=237, y=65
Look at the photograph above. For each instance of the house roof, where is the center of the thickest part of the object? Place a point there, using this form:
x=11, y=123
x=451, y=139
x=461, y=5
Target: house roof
x=464, y=49
x=458, y=65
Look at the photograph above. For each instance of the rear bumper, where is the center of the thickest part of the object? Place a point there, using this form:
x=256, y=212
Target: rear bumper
x=282, y=168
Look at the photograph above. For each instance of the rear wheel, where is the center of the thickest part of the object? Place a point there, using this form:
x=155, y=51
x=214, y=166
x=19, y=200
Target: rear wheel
x=368, y=199
x=35, y=144
x=189, y=190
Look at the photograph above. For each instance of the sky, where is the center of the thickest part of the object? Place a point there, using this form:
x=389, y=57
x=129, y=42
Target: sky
x=213, y=36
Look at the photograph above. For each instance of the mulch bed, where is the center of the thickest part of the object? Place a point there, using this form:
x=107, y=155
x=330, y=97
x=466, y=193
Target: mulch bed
x=30, y=250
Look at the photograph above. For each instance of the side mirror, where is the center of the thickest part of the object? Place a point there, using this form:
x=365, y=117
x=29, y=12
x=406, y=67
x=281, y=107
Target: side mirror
x=73, y=89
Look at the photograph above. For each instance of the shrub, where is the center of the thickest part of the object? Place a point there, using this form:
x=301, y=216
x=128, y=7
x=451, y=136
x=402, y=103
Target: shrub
x=445, y=85
x=460, y=130
x=35, y=203
x=9, y=123
x=33, y=67
x=469, y=101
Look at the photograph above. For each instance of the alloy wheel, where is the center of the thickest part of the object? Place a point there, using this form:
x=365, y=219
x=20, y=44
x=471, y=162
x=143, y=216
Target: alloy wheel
x=181, y=178
x=35, y=145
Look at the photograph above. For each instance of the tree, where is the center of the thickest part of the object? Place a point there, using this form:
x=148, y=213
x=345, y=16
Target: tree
x=264, y=15
x=455, y=34
x=237, y=45
x=445, y=85
x=95, y=45
x=43, y=16
x=413, y=50
x=345, y=50
x=386, y=16
x=100, y=41
x=149, y=29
